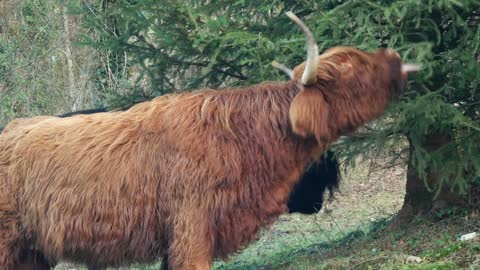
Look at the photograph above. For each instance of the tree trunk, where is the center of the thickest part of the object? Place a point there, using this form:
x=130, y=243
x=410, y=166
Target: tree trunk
x=74, y=94
x=418, y=198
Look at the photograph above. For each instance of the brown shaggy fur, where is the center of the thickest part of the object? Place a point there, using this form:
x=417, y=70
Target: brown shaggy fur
x=185, y=177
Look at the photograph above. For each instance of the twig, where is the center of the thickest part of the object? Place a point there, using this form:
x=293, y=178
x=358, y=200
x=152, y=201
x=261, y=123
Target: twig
x=36, y=59
x=343, y=233
x=320, y=228
x=377, y=208
x=473, y=226
x=367, y=261
x=104, y=24
x=328, y=19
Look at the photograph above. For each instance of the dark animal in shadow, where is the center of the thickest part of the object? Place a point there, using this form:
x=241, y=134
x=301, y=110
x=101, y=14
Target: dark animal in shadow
x=308, y=194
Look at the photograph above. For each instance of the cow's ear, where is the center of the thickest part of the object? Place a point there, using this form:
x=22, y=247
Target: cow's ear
x=309, y=114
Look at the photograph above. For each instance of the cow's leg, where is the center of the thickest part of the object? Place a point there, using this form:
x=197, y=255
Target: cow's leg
x=191, y=246
x=183, y=261
x=9, y=235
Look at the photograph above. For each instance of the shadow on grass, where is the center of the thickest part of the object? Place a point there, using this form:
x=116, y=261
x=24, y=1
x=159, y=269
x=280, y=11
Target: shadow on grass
x=293, y=258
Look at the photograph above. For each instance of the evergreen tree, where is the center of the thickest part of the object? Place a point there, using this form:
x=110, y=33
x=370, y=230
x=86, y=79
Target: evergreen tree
x=439, y=115
x=183, y=45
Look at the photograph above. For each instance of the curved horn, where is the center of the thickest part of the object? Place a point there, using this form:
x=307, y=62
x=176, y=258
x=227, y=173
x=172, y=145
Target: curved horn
x=309, y=75
x=283, y=68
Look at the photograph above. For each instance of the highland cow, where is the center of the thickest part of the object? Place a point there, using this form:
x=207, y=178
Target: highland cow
x=307, y=195
x=187, y=177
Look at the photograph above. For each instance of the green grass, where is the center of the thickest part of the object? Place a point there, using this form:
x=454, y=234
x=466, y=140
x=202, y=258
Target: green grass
x=435, y=242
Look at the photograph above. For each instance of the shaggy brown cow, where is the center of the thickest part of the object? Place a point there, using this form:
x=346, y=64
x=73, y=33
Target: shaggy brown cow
x=189, y=177
x=306, y=196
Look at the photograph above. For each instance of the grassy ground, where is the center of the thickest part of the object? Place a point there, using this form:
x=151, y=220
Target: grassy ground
x=351, y=233
x=364, y=198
